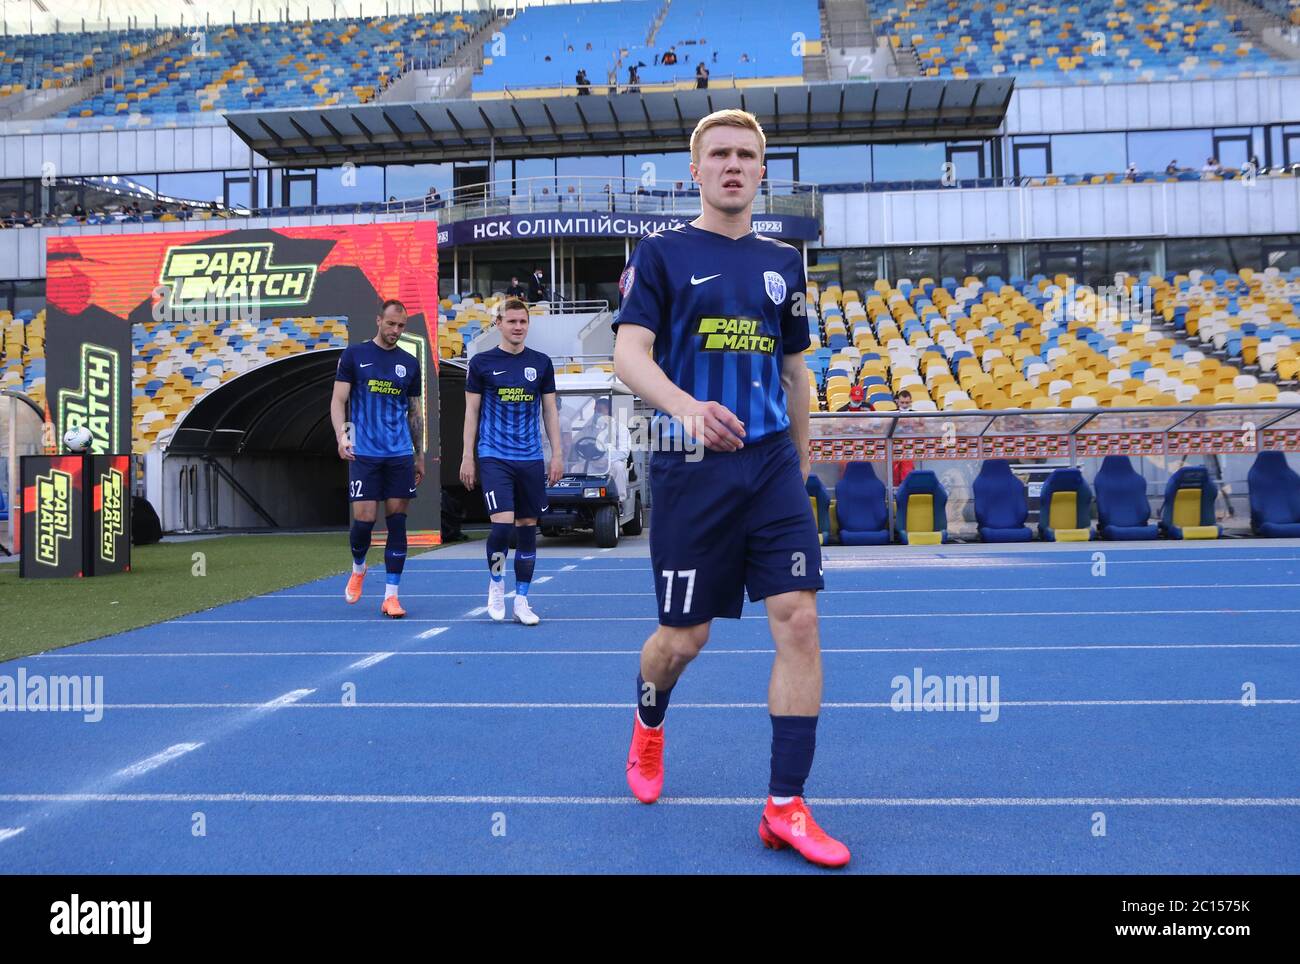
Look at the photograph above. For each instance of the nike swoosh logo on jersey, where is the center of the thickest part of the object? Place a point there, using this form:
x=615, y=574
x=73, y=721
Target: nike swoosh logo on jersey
x=366, y=365
x=700, y=281
x=498, y=373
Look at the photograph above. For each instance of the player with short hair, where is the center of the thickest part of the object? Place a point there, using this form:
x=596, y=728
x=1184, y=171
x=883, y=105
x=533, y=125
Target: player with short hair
x=378, y=385
x=711, y=333
x=508, y=391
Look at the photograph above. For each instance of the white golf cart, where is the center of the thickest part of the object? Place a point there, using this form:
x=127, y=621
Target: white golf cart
x=603, y=488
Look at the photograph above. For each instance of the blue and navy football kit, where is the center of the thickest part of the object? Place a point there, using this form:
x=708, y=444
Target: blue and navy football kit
x=511, y=469
x=725, y=312
x=382, y=380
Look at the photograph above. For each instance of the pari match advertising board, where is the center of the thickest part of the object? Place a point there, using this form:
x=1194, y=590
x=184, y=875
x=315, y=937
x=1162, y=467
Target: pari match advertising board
x=219, y=283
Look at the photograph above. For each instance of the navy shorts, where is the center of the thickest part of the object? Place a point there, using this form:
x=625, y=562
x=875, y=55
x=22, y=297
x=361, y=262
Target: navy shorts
x=509, y=486
x=373, y=480
x=730, y=522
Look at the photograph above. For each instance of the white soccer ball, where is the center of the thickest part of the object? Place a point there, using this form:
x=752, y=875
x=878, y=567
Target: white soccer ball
x=77, y=439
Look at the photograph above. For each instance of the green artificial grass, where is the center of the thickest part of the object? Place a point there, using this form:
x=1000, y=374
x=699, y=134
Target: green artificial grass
x=164, y=582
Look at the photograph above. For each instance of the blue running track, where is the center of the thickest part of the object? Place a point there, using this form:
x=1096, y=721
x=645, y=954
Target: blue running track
x=313, y=736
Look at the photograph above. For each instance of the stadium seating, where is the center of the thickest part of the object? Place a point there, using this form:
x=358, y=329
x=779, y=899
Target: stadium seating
x=22, y=353
x=820, y=501
x=1123, y=510
x=1001, y=506
x=922, y=515
x=43, y=61
x=1250, y=315
x=1042, y=342
x=303, y=64
x=1188, y=512
x=176, y=363
x=1065, y=507
x=1085, y=42
x=861, y=509
x=1274, y=497
x=537, y=44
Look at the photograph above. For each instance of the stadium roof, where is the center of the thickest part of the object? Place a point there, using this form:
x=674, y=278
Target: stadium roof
x=652, y=121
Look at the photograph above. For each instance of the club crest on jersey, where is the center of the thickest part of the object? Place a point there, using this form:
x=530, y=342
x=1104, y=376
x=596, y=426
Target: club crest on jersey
x=775, y=286
x=530, y=374
x=401, y=371
x=626, y=280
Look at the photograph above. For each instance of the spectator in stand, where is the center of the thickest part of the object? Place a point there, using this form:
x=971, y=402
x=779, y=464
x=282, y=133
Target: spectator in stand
x=1130, y=172
x=1172, y=167
x=744, y=58
x=159, y=209
x=29, y=219
x=1210, y=168
x=857, y=402
x=79, y=212
x=583, y=82
x=588, y=44
x=633, y=80
x=701, y=76
x=1254, y=164
x=669, y=57
x=903, y=466
x=516, y=290
x=537, y=287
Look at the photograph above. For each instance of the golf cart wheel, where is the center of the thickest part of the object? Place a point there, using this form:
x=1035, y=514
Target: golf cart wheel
x=606, y=526
x=634, y=524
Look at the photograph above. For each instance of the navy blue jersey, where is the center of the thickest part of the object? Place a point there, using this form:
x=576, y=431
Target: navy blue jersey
x=382, y=380
x=512, y=386
x=725, y=313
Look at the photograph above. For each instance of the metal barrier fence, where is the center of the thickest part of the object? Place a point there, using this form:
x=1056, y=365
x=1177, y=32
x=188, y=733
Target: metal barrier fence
x=1158, y=440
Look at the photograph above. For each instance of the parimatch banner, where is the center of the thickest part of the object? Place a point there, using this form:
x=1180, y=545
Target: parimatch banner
x=53, y=516
x=225, y=285
x=109, y=536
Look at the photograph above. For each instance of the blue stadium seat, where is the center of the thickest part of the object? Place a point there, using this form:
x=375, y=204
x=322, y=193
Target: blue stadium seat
x=860, y=507
x=1001, y=506
x=922, y=516
x=1274, y=497
x=1123, y=510
x=1188, y=512
x=1065, y=507
x=820, y=501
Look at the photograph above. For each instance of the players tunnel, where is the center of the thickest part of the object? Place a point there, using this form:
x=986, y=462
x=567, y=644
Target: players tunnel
x=259, y=452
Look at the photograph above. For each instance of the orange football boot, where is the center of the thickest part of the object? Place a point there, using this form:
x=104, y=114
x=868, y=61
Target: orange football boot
x=353, y=592
x=392, y=608
x=791, y=825
x=645, y=761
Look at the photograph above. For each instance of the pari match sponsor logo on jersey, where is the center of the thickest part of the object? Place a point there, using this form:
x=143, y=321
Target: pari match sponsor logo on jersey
x=382, y=386
x=735, y=334
x=111, y=488
x=94, y=403
x=53, y=515
x=216, y=275
x=514, y=395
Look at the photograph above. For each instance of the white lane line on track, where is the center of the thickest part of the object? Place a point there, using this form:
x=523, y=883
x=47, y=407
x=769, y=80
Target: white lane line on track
x=8, y=832
x=288, y=699
x=370, y=660
x=157, y=760
x=567, y=568
x=715, y=651
x=885, y=705
x=430, y=633
x=988, y=590
x=1226, y=611
x=575, y=801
